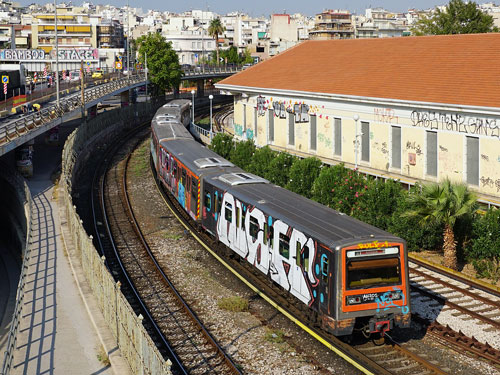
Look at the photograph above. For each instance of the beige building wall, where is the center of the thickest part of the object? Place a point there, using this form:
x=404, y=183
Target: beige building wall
x=452, y=125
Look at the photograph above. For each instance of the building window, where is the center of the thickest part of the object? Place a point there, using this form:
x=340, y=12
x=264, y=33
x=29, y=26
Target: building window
x=291, y=129
x=193, y=45
x=199, y=45
x=396, y=147
x=431, y=165
x=313, y=132
x=337, y=137
x=270, y=119
x=255, y=123
x=244, y=118
x=472, y=160
x=365, y=141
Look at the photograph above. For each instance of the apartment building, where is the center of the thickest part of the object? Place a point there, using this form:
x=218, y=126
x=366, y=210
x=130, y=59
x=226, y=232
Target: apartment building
x=332, y=24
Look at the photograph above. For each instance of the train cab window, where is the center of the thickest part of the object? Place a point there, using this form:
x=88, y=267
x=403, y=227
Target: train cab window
x=366, y=273
x=208, y=200
x=324, y=267
x=194, y=188
x=284, y=246
x=228, y=213
x=254, y=228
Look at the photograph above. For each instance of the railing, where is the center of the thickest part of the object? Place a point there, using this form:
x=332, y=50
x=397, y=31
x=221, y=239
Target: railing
x=24, y=196
x=207, y=70
x=17, y=128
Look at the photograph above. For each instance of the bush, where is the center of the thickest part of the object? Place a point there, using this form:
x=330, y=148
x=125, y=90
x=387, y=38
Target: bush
x=222, y=144
x=261, y=161
x=485, y=242
x=241, y=155
x=379, y=202
x=279, y=169
x=418, y=237
x=302, y=175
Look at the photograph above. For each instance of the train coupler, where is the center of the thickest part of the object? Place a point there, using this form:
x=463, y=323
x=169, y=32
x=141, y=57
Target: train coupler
x=381, y=325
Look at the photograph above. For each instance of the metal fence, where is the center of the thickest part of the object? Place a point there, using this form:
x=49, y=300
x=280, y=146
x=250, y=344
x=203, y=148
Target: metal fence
x=134, y=342
x=27, y=123
x=24, y=196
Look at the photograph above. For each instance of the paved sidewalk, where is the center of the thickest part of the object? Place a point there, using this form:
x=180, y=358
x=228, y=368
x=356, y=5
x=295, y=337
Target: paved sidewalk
x=57, y=335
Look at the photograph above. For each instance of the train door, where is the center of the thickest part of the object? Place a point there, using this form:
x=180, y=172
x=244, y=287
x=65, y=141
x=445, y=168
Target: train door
x=302, y=249
x=194, y=197
x=181, y=194
x=323, y=273
x=209, y=208
x=188, y=193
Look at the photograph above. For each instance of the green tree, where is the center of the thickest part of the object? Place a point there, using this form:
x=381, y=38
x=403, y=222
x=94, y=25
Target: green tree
x=222, y=144
x=279, y=169
x=261, y=161
x=163, y=62
x=458, y=17
x=302, y=175
x=444, y=204
x=242, y=154
x=214, y=30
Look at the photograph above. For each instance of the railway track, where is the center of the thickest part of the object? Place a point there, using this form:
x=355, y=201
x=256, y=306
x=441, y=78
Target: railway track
x=388, y=358
x=174, y=326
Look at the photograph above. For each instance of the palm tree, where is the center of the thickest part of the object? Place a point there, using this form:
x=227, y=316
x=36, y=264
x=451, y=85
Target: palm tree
x=214, y=30
x=443, y=204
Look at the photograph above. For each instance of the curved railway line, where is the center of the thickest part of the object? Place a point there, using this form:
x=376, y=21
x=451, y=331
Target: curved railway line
x=173, y=325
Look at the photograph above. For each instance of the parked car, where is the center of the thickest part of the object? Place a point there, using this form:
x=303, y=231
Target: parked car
x=97, y=75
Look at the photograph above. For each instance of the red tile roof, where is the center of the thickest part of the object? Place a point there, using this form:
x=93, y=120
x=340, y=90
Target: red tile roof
x=451, y=69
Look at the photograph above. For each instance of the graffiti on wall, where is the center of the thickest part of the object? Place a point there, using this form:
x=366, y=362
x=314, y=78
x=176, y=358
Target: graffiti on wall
x=324, y=140
x=414, y=146
x=279, y=109
x=385, y=115
x=247, y=133
x=273, y=251
x=455, y=122
x=301, y=112
x=488, y=182
x=261, y=106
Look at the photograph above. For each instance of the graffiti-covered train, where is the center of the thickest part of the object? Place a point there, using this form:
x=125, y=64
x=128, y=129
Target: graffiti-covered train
x=347, y=273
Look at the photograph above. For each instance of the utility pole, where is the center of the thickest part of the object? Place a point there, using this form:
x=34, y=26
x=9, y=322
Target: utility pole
x=146, y=71
x=57, y=53
x=128, y=39
x=82, y=81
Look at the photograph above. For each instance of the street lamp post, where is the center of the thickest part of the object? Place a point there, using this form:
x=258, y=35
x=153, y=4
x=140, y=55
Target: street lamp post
x=57, y=53
x=356, y=144
x=192, y=105
x=211, y=97
x=146, y=72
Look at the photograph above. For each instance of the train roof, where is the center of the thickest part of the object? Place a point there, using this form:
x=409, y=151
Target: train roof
x=199, y=159
x=167, y=128
x=330, y=227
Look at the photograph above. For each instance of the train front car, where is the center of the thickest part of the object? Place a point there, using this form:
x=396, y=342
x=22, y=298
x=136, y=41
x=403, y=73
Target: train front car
x=373, y=286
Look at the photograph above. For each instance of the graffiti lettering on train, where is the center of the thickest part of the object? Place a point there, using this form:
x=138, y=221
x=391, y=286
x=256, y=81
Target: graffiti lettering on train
x=271, y=246
x=386, y=300
x=373, y=245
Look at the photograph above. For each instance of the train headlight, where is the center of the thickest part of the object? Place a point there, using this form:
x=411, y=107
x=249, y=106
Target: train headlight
x=353, y=300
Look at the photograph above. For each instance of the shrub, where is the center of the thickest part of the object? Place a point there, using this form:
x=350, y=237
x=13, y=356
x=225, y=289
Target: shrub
x=241, y=155
x=261, y=161
x=222, y=144
x=236, y=304
x=418, y=237
x=485, y=242
x=279, y=169
x=302, y=175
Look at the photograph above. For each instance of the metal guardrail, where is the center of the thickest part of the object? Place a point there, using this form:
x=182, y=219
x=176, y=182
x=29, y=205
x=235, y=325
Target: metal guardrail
x=24, y=196
x=210, y=70
x=24, y=125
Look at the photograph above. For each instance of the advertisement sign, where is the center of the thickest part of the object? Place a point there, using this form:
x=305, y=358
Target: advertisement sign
x=72, y=54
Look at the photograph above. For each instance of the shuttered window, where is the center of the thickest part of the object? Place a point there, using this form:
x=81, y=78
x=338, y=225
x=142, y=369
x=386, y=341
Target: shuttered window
x=255, y=122
x=337, y=136
x=396, y=147
x=291, y=129
x=244, y=118
x=472, y=160
x=271, y=126
x=365, y=141
x=313, y=132
x=431, y=153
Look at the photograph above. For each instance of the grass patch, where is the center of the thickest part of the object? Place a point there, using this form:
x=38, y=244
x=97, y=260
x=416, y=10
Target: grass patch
x=141, y=160
x=172, y=236
x=236, y=304
x=203, y=121
x=102, y=357
x=276, y=336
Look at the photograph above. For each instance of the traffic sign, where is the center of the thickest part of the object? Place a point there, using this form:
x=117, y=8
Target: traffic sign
x=5, y=79
x=118, y=65
x=120, y=57
x=88, y=63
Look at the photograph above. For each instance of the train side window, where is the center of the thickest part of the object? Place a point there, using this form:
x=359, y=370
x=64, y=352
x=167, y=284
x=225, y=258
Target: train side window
x=266, y=231
x=324, y=267
x=175, y=169
x=305, y=257
x=194, y=187
x=208, y=200
x=284, y=246
x=217, y=205
x=183, y=174
x=238, y=209
x=271, y=236
x=254, y=227
x=228, y=214
x=298, y=260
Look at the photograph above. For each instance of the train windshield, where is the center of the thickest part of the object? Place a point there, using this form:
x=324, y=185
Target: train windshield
x=367, y=273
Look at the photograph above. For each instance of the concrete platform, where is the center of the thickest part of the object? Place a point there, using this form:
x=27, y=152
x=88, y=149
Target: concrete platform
x=57, y=333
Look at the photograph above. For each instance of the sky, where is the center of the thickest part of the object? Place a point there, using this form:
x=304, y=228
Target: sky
x=266, y=7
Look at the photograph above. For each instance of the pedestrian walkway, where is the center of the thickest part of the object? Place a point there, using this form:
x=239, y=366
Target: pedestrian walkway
x=56, y=335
